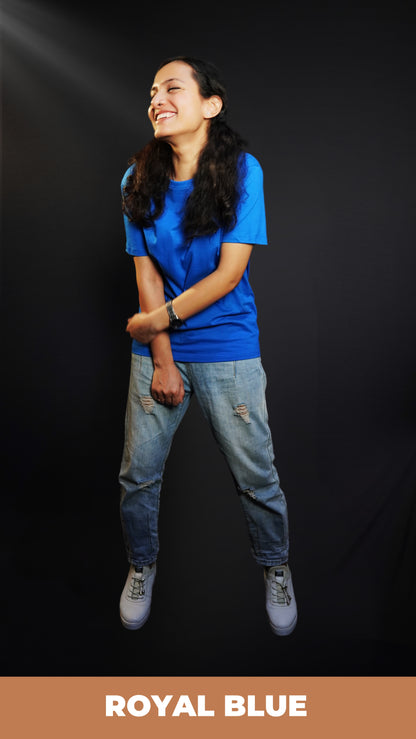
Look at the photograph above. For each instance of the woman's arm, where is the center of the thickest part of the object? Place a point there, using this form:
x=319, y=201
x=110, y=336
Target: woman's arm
x=154, y=320
x=167, y=383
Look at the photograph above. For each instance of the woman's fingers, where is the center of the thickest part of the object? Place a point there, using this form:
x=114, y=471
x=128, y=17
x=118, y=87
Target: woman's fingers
x=167, y=386
x=168, y=400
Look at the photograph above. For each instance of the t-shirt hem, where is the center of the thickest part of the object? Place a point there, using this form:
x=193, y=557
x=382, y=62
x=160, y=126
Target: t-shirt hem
x=201, y=358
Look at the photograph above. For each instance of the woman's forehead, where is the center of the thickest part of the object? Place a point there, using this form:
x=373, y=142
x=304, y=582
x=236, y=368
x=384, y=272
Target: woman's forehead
x=174, y=70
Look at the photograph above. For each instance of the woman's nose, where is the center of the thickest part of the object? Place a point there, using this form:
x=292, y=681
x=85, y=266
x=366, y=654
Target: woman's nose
x=157, y=99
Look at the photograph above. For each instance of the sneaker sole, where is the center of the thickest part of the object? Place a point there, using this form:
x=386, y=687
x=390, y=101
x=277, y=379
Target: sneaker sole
x=283, y=631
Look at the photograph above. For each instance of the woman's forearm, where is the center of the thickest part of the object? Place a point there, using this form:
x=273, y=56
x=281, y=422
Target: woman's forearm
x=151, y=297
x=195, y=299
x=232, y=265
x=167, y=385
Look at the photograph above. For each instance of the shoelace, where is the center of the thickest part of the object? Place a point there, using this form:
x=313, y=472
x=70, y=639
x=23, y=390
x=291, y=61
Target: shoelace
x=136, y=586
x=280, y=596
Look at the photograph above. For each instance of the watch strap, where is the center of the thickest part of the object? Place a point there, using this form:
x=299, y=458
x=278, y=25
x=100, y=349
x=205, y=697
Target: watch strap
x=174, y=320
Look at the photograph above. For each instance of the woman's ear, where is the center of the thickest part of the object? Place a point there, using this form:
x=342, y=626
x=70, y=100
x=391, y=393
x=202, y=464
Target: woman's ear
x=212, y=106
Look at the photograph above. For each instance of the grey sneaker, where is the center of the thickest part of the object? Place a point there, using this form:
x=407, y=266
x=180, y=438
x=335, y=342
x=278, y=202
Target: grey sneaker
x=136, y=597
x=280, y=599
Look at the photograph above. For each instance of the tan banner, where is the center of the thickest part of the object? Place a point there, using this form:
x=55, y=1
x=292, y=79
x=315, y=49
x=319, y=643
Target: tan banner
x=293, y=707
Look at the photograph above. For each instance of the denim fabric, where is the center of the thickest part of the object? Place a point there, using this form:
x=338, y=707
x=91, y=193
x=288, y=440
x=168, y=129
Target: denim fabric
x=232, y=399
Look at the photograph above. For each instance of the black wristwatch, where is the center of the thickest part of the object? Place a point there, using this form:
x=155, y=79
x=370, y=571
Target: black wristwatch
x=174, y=320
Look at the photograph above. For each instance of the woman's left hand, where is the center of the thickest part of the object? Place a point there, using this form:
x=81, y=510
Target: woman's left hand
x=140, y=328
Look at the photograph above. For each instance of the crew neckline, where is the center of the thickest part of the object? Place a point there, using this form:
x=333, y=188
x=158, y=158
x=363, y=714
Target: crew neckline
x=180, y=183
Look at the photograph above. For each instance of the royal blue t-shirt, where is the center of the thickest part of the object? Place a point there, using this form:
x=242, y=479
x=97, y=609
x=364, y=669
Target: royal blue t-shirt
x=227, y=330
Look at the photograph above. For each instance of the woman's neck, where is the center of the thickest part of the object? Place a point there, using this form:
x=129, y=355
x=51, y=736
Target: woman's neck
x=185, y=156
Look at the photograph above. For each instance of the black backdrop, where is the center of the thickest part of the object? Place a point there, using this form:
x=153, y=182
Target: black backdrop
x=326, y=100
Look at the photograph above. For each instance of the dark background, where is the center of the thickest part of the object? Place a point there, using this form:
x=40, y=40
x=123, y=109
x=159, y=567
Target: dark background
x=325, y=96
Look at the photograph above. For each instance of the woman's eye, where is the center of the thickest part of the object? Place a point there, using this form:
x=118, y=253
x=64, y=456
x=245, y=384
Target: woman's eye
x=169, y=89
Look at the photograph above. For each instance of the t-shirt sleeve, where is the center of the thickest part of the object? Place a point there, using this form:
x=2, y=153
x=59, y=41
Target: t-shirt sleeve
x=250, y=227
x=135, y=241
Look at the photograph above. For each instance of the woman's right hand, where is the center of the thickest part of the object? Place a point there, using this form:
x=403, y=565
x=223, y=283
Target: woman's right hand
x=167, y=385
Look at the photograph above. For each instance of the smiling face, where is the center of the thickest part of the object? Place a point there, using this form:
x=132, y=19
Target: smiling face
x=177, y=110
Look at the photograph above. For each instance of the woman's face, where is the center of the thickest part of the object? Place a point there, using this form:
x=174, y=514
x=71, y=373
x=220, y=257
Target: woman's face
x=177, y=109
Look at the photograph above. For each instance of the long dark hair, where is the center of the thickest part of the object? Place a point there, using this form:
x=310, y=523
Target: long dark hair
x=213, y=201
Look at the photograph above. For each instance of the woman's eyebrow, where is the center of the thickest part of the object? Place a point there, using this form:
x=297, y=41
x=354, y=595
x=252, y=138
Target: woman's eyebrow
x=165, y=82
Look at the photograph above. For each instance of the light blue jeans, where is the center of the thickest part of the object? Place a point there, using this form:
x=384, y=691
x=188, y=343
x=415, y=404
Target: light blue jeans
x=232, y=399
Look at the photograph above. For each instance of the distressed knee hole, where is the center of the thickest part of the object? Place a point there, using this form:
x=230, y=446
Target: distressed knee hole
x=242, y=411
x=147, y=403
x=249, y=492
x=145, y=484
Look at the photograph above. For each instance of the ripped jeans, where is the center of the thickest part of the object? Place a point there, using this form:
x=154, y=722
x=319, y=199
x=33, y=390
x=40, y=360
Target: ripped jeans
x=232, y=399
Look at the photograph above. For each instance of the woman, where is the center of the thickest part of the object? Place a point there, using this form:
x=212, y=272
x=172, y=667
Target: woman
x=193, y=209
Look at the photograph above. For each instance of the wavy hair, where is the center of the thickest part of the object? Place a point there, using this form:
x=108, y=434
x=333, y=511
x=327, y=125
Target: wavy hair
x=213, y=201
